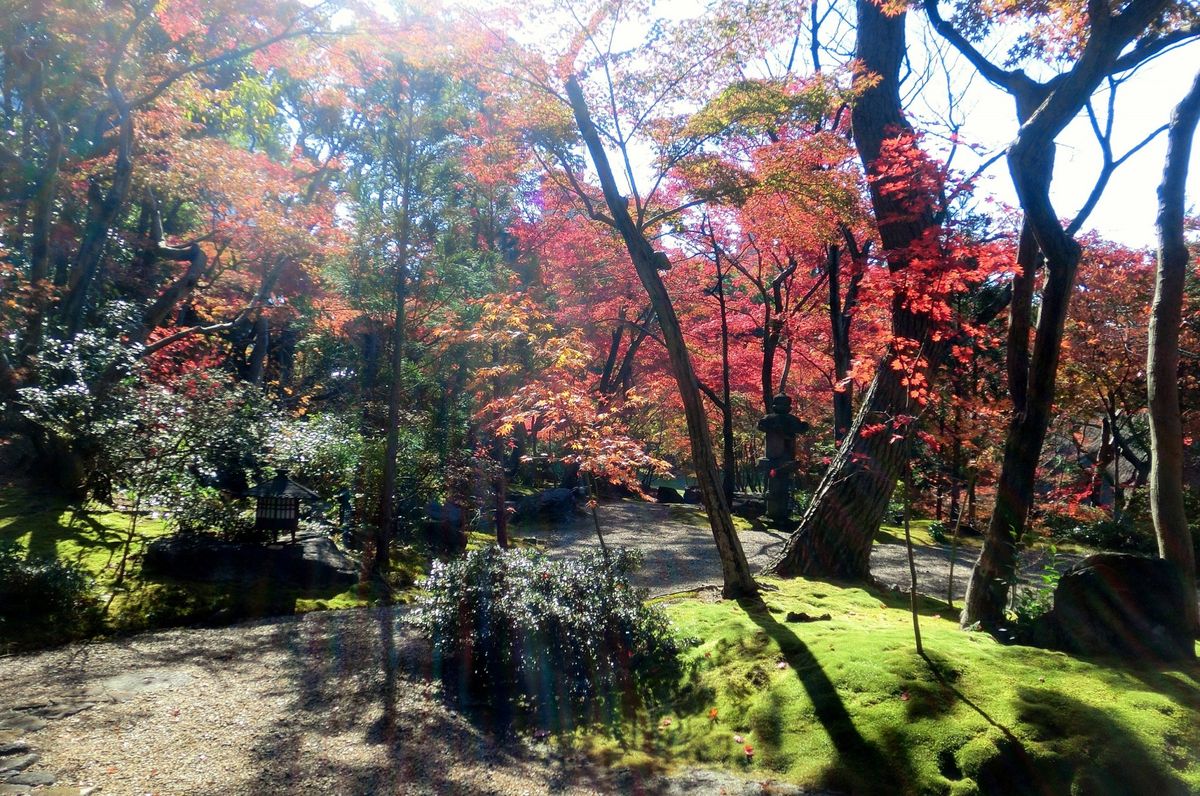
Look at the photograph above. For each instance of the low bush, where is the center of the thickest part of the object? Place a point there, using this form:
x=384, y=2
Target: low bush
x=555, y=642
x=1099, y=530
x=41, y=596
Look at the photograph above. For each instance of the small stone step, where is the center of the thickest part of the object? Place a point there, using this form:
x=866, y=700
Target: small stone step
x=61, y=711
x=18, y=762
x=20, y=721
x=32, y=778
x=12, y=747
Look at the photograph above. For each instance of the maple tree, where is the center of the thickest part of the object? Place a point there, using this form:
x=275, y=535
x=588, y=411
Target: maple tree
x=121, y=130
x=929, y=263
x=1090, y=45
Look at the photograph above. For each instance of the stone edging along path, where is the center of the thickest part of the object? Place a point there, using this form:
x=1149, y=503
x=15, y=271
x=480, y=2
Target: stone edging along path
x=19, y=757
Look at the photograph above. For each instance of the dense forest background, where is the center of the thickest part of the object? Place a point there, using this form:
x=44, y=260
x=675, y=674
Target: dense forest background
x=419, y=256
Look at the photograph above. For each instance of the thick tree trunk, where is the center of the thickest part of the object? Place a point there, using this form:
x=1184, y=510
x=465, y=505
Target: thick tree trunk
x=734, y=568
x=836, y=532
x=1162, y=361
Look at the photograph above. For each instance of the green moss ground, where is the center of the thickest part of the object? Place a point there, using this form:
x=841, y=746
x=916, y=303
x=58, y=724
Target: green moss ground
x=95, y=538
x=848, y=704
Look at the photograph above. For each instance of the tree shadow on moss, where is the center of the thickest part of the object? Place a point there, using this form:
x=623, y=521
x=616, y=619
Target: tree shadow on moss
x=861, y=766
x=1091, y=753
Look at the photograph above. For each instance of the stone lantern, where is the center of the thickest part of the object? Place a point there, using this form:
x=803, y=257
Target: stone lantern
x=278, y=507
x=781, y=428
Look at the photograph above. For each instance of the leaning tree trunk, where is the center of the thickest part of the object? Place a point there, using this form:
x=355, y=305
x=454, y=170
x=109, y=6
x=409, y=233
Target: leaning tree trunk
x=738, y=581
x=837, y=530
x=1162, y=368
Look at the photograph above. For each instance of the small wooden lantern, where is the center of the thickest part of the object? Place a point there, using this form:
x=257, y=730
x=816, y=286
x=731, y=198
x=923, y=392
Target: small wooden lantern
x=278, y=506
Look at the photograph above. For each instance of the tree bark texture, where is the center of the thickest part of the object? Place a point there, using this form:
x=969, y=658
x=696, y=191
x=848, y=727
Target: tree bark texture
x=1162, y=361
x=735, y=571
x=836, y=532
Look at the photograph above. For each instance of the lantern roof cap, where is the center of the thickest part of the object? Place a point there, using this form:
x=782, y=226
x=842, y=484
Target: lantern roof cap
x=282, y=486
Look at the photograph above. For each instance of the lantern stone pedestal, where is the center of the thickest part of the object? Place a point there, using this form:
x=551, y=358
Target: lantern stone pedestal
x=781, y=429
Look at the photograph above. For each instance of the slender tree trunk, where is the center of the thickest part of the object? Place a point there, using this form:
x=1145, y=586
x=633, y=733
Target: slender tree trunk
x=772, y=330
x=500, y=491
x=913, y=599
x=1104, y=457
x=607, y=382
x=837, y=530
x=729, y=459
x=1162, y=368
x=738, y=581
x=839, y=322
x=381, y=554
x=95, y=237
x=258, y=356
x=994, y=572
x=43, y=214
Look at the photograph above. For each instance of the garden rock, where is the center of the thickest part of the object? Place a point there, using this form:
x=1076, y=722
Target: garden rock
x=313, y=562
x=1119, y=605
x=666, y=494
x=801, y=616
x=559, y=504
x=32, y=778
x=13, y=720
x=444, y=530
x=13, y=747
x=750, y=508
x=691, y=495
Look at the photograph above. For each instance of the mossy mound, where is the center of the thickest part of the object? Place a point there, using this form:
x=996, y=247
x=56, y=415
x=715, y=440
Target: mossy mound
x=848, y=705
x=97, y=539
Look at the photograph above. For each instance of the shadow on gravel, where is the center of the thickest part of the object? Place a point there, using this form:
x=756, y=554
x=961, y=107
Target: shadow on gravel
x=366, y=684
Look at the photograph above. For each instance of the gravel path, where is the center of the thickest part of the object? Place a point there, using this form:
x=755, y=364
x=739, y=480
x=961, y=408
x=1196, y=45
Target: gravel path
x=681, y=555
x=332, y=702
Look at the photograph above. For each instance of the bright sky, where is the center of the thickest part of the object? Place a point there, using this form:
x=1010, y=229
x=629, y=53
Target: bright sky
x=1126, y=211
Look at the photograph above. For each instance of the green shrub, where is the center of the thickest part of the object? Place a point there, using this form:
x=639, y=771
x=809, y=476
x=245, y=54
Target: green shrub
x=556, y=642
x=1103, y=532
x=43, y=596
x=1030, y=602
x=938, y=530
